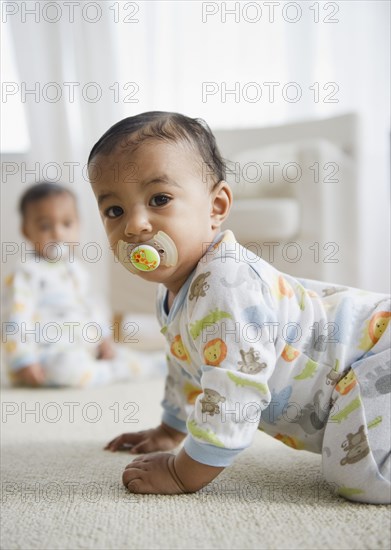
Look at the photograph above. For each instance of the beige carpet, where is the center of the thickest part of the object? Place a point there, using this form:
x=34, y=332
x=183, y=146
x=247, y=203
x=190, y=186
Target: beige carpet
x=60, y=490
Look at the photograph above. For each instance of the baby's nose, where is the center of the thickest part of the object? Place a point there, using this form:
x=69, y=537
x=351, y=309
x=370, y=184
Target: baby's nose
x=57, y=234
x=136, y=223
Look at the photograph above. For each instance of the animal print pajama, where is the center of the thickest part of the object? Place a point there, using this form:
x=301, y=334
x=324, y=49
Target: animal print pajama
x=307, y=362
x=51, y=319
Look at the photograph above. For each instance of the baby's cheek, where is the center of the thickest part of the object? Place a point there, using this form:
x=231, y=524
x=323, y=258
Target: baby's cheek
x=112, y=236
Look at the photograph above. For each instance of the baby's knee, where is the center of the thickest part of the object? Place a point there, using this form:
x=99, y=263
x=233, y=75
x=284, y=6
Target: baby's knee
x=359, y=478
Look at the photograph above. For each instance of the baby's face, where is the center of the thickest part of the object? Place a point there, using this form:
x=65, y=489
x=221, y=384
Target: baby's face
x=53, y=219
x=157, y=187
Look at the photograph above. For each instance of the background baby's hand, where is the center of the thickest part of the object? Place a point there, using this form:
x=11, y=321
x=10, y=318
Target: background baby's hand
x=162, y=438
x=32, y=375
x=106, y=349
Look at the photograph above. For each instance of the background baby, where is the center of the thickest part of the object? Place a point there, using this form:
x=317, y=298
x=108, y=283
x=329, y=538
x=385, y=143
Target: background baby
x=56, y=334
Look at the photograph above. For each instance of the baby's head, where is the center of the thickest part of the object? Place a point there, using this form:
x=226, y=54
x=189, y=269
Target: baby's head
x=161, y=171
x=49, y=215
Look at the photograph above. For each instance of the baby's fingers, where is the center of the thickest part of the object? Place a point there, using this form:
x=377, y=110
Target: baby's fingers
x=39, y=377
x=136, y=481
x=110, y=444
x=145, y=446
x=130, y=475
x=123, y=441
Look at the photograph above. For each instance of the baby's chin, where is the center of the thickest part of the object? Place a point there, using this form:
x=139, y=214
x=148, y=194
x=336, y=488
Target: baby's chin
x=171, y=277
x=54, y=252
x=162, y=274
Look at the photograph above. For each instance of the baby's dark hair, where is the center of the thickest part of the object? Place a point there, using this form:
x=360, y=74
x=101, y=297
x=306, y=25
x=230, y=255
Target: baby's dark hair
x=169, y=127
x=42, y=190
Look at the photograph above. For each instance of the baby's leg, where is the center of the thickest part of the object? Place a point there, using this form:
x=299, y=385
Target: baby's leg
x=140, y=365
x=77, y=367
x=357, y=438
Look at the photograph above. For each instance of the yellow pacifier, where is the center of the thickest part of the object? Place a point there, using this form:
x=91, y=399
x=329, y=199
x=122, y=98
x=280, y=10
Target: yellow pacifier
x=145, y=258
x=160, y=250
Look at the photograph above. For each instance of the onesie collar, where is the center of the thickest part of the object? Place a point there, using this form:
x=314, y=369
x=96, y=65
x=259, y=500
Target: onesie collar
x=212, y=251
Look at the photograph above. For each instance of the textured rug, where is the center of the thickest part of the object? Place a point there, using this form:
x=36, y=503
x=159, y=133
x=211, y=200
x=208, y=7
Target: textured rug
x=60, y=490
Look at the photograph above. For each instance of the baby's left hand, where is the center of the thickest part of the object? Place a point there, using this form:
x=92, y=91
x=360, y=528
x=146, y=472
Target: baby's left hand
x=152, y=474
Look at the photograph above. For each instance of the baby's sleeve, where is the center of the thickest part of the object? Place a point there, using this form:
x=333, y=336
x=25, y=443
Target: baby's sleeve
x=95, y=306
x=176, y=407
x=21, y=330
x=232, y=322
x=176, y=403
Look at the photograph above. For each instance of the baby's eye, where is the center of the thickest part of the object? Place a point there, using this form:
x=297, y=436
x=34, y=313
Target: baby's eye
x=68, y=223
x=114, y=212
x=160, y=200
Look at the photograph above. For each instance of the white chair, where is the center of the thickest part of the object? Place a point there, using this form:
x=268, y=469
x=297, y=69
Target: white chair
x=295, y=186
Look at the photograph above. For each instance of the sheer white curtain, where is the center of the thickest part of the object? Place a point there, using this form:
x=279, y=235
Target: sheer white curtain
x=68, y=65
x=182, y=55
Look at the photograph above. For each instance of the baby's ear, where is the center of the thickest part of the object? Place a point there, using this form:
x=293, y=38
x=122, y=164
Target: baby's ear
x=221, y=203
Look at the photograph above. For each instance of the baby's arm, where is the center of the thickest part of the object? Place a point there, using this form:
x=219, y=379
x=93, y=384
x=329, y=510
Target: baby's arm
x=171, y=431
x=106, y=349
x=192, y=474
x=21, y=324
x=238, y=375
x=99, y=313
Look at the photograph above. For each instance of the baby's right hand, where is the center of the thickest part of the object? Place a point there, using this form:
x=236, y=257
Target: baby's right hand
x=32, y=375
x=162, y=438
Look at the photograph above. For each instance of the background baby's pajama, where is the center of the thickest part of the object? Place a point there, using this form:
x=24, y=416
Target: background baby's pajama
x=53, y=320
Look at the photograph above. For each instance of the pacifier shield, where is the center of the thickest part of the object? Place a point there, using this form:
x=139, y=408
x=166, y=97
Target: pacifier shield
x=145, y=258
